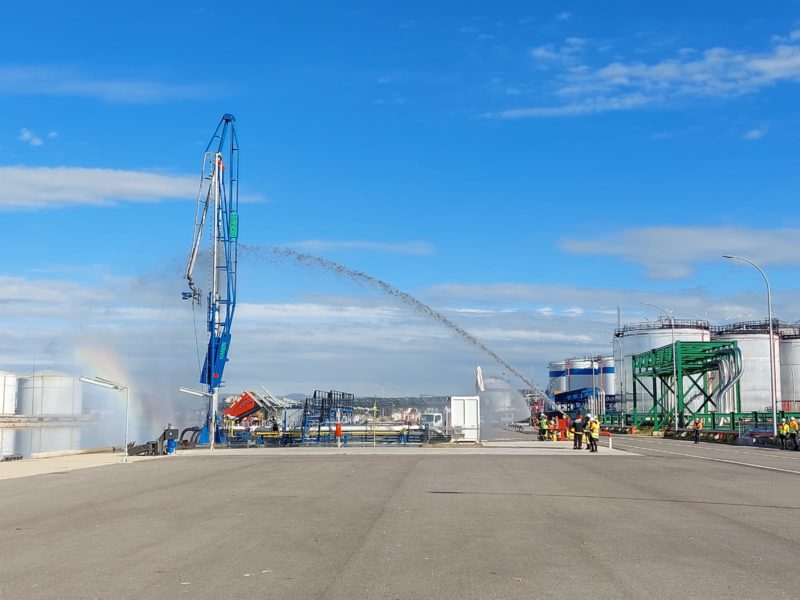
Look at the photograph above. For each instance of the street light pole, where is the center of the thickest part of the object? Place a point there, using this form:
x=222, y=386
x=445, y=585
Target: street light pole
x=621, y=366
x=127, y=392
x=597, y=405
x=674, y=357
x=771, y=349
x=117, y=387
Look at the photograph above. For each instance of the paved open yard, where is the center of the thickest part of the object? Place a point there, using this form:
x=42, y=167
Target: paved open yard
x=658, y=519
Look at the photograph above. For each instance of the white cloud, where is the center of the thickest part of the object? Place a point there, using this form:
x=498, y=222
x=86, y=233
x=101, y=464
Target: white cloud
x=583, y=107
x=305, y=311
x=546, y=52
x=576, y=42
x=563, y=16
x=52, y=134
x=583, y=310
x=791, y=37
x=754, y=134
x=353, y=343
x=672, y=252
x=529, y=335
x=414, y=248
x=42, y=187
x=565, y=54
x=59, y=81
x=718, y=72
x=26, y=135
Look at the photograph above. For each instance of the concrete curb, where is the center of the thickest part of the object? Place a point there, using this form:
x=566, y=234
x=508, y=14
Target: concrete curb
x=56, y=454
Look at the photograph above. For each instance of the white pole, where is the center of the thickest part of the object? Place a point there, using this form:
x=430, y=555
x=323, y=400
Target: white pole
x=674, y=369
x=772, y=385
x=621, y=374
x=125, y=458
x=212, y=411
x=674, y=357
x=621, y=385
x=212, y=425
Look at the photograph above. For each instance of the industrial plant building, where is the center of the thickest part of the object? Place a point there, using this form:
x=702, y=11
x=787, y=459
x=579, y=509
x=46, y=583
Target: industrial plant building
x=677, y=369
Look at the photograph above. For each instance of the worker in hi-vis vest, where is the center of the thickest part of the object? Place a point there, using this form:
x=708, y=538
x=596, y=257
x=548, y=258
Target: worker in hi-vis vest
x=793, y=426
x=698, y=427
x=594, y=434
x=542, y=427
x=551, y=430
x=783, y=433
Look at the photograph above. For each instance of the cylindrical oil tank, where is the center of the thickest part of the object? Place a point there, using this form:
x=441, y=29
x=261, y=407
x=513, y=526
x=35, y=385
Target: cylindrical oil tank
x=8, y=440
x=582, y=373
x=49, y=394
x=8, y=393
x=636, y=338
x=754, y=386
x=557, y=371
x=608, y=379
x=790, y=371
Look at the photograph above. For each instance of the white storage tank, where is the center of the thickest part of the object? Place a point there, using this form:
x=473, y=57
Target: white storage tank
x=753, y=340
x=557, y=371
x=8, y=441
x=636, y=338
x=49, y=394
x=790, y=371
x=8, y=393
x=608, y=379
x=582, y=373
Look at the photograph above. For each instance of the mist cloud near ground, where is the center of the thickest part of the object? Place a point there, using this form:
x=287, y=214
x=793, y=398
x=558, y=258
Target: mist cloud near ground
x=354, y=340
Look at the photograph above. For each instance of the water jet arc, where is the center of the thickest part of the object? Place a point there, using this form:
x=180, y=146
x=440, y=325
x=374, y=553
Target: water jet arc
x=309, y=260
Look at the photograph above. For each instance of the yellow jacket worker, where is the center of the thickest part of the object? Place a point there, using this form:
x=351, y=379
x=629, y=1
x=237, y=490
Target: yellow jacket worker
x=783, y=433
x=594, y=434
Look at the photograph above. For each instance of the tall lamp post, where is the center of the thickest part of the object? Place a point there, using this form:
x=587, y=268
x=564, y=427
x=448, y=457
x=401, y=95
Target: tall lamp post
x=621, y=366
x=212, y=412
x=674, y=357
x=105, y=383
x=591, y=356
x=771, y=349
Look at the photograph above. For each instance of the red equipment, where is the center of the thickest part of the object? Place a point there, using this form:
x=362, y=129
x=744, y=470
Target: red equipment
x=245, y=406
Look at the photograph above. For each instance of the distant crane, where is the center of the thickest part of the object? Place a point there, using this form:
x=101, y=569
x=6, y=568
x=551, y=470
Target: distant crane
x=219, y=195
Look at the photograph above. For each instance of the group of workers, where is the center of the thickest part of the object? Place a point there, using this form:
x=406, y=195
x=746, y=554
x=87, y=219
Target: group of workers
x=548, y=429
x=580, y=427
x=588, y=427
x=787, y=432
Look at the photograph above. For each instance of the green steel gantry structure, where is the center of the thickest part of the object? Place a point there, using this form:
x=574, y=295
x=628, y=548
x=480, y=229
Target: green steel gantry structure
x=654, y=372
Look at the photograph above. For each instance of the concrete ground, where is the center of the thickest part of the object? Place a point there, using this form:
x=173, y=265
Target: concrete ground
x=655, y=518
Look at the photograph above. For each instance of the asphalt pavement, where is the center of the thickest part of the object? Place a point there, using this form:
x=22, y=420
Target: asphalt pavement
x=654, y=518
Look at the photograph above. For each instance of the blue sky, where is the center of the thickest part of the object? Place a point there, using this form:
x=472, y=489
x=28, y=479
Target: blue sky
x=522, y=167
